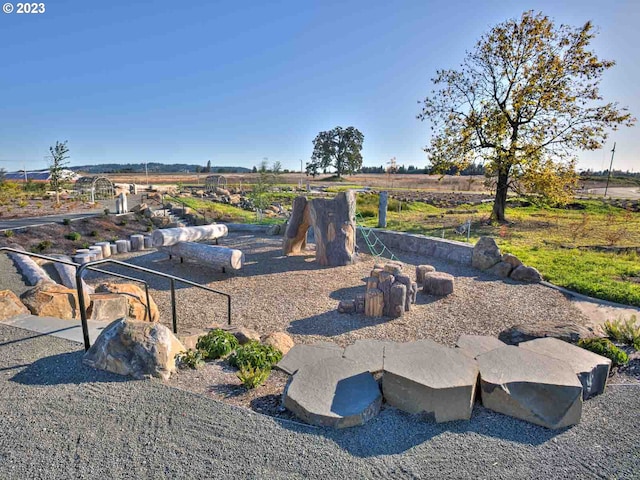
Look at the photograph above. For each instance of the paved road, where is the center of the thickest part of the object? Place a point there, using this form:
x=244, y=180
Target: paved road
x=18, y=223
x=618, y=192
x=61, y=419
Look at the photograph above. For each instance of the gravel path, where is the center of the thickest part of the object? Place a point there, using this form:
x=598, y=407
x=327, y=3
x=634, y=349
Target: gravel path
x=60, y=419
x=294, y=294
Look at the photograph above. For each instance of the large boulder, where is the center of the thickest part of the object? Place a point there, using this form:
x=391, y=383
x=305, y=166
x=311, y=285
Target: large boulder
x=529, y=386
x=280, y=341
x=425, y=377
x=592, y=369
x=474, y=345
x=10, y=305
x=107, y=307
x=136, y=299
x=439, y=284
x=501, y=269
x=567, y=331
x=242, y=334
x=526, y=274
x=485, y=254
x=136, y=349
x=336, y=392
x=52, y=300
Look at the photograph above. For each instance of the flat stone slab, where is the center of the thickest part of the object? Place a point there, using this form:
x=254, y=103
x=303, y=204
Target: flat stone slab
x=302, y=355
x=336, y=392
x=474, y=345
x=368, y=353
x=530, y=386
x=57, y=327
x=425, y=377
x=592, y=369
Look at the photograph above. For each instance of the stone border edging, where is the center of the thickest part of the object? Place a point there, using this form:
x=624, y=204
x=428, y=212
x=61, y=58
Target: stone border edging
x=587, y=298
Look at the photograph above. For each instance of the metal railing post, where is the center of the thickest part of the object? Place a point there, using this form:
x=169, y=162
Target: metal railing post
x=174, y=314
x=83, y=310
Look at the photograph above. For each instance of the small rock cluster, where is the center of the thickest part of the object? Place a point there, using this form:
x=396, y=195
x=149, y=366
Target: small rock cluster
x=487, y=257
x=542, y=381
x=389, y=293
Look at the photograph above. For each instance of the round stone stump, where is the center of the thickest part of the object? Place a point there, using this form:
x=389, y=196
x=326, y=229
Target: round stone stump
x=106, y=249
x=122, y=246
x=97, y=250
x=421, y=271
x=438, y=284
x=82, y=250
x=137, y=242
x=114, y=248
x=82, y=258
x=148, y=241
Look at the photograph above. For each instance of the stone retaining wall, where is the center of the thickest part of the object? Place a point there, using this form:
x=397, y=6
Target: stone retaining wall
x=451, y=250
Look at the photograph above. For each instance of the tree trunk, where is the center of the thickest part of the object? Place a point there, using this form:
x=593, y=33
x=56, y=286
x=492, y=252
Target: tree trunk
x=295, y=237
x=500, y=202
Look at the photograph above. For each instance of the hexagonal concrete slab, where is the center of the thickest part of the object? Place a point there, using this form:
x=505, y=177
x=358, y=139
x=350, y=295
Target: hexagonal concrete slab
x=592, y=369
x=368, y=353
x=336, y=392
x=529, y=386
x=425, y=377
x=474, y=345
x=301, y=355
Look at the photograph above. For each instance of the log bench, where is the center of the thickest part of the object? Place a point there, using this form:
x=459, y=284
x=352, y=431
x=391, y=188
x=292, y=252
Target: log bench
x=215, y=256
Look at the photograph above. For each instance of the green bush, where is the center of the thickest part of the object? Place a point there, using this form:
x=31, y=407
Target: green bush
x=624, y=331
x=8, y=233
x=604, y=347
x=191, y=359
x=75, y=236
x=217, y=343
x=94, y=233
x=253, y=377
x=42, y=246
x=66, y=221
x=254, y=354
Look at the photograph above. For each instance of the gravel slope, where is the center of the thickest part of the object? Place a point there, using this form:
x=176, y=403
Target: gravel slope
x=59, y=419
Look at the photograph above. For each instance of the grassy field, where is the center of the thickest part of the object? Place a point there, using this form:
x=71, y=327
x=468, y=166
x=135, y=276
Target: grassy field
x=221, y=212
x=563, y=244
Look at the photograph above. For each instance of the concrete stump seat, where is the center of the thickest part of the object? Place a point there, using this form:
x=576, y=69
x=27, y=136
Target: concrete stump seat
x=336, y=392
x=148, y=241
x=533, y=387
x=137, y=242
x=425, y=377
x=106, y=249
x=592, y=369
x=97, y=251
x=122, y=246
x=439, y=284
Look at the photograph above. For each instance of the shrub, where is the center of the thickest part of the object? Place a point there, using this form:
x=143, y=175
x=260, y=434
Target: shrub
x=624, y=331
x=94, y=233
x=42, y=246
x=8, y=233
x=123, y=223
x=604, y=347
x=75, y=236
x=66, y=221
x=253, y=377
x=191, y=358
x=106, y=211
x=254, y=354
x=217, y=343
x=23, y=203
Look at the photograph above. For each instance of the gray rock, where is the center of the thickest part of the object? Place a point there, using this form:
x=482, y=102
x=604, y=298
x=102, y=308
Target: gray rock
x=368, y=353
x=529, y=386
x=592, y=369
x=526, y=274
x=439, y=284
x=512, y=260
x=424, y=377
x=474, y=345
x=501, y=269
x=137, y=349
x=485, y=254
x=107, y=307
x=301, y=355
x=336, y=392
x=569, y=332
x=421, y=270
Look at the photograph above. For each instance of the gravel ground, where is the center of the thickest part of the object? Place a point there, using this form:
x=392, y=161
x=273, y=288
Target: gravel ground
x=60, y=419
x=295, y=295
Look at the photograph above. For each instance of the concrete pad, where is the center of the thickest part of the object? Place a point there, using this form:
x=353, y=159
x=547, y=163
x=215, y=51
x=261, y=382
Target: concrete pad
x=474, y=345
x=425, y=377
x=529, y=386
x=368, y=353
x=335, y=392
x=592, y=369
x=302, y=355
x=57, y=327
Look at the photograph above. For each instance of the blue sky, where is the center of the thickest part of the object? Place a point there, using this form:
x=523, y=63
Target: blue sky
x=234, y=82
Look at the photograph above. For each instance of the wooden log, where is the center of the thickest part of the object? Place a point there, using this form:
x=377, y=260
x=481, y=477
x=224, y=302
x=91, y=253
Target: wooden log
x=397, y=299
x=421, y=271
x=382, y=209
x=33, y=273
x=208, y=255
x=374, y=303
x=170, y=236
x=334, y=228
x=359, y=303
x=384, y=284
x=295, y=236
x=372, y=282
x=406, y=281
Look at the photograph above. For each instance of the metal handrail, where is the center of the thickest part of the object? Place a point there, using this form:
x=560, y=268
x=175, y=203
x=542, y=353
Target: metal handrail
x=76, y=265
x=172, y=278
x=184, y=206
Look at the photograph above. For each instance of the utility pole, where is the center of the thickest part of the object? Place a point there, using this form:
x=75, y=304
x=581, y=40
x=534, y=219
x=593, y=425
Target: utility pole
x=146, y=172
x=301, y=174
x=613, y=151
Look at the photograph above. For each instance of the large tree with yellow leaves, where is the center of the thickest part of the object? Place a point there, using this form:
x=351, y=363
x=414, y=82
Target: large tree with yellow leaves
x=523, y=102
